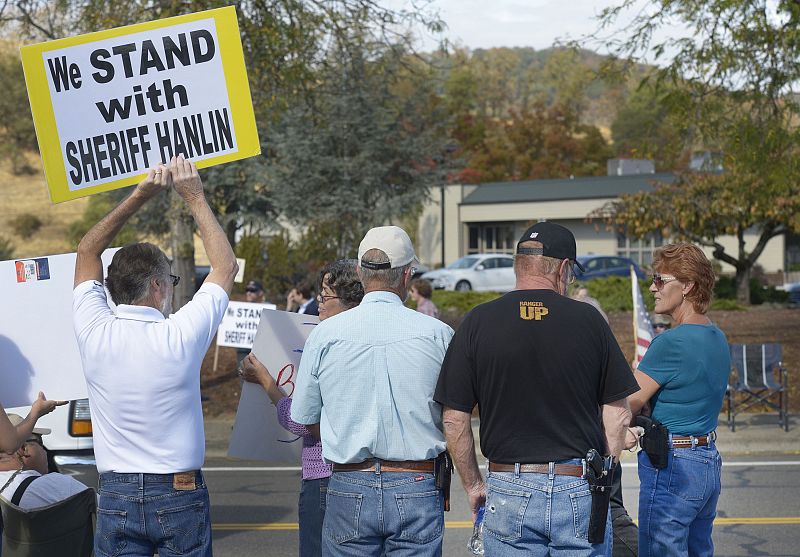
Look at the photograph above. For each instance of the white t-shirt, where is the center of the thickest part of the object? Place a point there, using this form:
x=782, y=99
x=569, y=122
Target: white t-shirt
x=143, y=376
x=44, y=490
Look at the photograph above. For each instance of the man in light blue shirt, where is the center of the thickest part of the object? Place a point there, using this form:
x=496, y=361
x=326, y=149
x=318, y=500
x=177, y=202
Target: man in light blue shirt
x=367, y=377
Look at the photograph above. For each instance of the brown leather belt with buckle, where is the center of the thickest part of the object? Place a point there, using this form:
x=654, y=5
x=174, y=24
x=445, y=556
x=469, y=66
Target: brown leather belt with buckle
x=386, y=466
x=681, y=441
x=558, y=469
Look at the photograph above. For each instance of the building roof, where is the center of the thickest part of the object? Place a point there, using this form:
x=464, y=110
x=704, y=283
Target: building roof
x=591, y=187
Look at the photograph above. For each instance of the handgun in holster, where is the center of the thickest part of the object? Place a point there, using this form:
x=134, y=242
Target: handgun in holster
x=442, y=474
x=655, y=441
x=599, y=473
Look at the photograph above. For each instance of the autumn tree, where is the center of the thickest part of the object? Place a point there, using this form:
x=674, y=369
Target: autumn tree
x=731, y=82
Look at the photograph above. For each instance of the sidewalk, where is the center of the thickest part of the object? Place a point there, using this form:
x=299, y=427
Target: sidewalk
x=755, y=435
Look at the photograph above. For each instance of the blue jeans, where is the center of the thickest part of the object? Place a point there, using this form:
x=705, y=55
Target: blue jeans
x=372, y=513
x=138, y=514
x=677, y=504
x=539, y=514
x=311, y=511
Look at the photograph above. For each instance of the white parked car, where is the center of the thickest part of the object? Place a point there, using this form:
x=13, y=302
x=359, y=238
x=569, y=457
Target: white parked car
x=479, y=271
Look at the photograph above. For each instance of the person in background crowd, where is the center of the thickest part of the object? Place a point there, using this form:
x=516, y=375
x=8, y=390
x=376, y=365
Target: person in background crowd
x=300, y=300
x=421, y=292
x=684, y=376
x=626, y=534
x=582, y=295
x=14, y=435
x=254, y=292
x=30, y=461
x=339, y=290
x=661, y=323
x=545, y=400
x=142, y=369
x=366, y=381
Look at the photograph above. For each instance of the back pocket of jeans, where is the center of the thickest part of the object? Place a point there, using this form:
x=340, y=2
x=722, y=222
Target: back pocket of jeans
x=184, y=527
x=688, y=476
x=505, y=510
x=342, y=512
x=110, y=532
x=581, y=510
x=421, y=516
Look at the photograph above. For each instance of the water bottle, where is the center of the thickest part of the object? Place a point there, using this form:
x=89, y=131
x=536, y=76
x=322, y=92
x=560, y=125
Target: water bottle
x=475, y=544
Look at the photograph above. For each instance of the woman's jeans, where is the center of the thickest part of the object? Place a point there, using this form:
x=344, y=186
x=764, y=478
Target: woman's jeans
x=311, y=511
x=538, y=515
x=677, y=504
x=140, y=513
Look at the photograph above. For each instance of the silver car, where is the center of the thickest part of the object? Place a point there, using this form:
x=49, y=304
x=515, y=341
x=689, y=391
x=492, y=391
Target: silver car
x=479, y=271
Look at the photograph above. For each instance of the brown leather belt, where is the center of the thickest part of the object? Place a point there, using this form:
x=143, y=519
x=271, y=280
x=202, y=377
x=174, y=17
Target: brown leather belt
x=558, y=469
x=681, y=441
x=386, y=466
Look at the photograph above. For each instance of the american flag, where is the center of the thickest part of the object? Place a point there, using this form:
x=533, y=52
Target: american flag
x=642, y=326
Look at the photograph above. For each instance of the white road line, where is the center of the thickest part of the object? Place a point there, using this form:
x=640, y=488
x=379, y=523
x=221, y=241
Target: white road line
x=735, y=464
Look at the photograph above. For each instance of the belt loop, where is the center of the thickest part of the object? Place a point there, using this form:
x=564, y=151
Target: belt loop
x=516, y=469
x=377, y=467
x=551, y=470
x=694, y=442
x=141, y=482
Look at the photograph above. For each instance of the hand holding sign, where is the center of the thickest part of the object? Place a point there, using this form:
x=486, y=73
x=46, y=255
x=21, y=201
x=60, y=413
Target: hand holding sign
x=158, y=179
x=186, y=179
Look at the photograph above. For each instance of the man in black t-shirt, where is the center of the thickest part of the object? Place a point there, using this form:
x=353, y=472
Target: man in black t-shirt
x=550, y=382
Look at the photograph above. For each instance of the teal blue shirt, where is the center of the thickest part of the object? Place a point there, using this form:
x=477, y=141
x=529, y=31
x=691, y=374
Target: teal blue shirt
x=367, y=375
x=691, y=363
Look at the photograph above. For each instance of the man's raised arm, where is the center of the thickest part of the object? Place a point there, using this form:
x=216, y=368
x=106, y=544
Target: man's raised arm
x=88, y=265
x=220, y=254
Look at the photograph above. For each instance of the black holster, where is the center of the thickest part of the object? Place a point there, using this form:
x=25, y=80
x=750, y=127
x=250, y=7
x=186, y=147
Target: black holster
x=442, y=474
x=655, y=441
x=599, y=474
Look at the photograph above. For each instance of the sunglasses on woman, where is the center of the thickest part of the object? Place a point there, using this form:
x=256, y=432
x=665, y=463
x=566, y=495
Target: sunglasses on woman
x=661, y=280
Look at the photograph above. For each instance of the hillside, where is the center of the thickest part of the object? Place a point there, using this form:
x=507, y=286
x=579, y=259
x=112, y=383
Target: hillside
x=27, y=193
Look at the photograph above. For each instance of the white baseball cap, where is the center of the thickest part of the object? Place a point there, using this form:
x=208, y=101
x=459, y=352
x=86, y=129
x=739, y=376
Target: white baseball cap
x=391, y=240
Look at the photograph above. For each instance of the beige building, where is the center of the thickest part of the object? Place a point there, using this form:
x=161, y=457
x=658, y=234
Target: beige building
x=462, y=219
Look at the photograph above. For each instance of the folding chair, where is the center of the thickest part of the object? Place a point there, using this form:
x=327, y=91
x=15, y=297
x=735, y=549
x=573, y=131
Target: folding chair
x=63, y=529
x=754, y=368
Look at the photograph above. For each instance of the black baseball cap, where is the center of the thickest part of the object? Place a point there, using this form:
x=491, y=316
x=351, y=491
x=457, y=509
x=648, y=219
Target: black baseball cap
x=254, y=286
x=557, y=242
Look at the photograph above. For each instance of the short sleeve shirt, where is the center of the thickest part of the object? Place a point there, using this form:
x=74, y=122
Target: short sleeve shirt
x=691, y=363
x=539, y=366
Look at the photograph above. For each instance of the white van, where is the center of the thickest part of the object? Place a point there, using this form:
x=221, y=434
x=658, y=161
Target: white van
x=70, y=441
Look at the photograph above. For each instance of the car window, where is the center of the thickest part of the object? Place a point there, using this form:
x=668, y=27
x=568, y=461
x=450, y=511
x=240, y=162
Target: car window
x=463, y=263
x=616, y=263
x=595, y=264
x=505, y=262
x=490, y=263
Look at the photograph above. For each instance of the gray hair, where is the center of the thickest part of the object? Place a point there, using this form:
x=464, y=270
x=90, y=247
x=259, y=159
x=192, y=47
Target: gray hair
x=131, y=270
x=387, y=278
x=535, y=264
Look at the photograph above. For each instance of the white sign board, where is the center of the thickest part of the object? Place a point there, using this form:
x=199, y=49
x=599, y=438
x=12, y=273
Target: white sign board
x=256, y=434
x=38, y=350
x=240, y=323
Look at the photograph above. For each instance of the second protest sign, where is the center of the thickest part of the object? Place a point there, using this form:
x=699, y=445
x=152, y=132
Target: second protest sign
x=109, y=105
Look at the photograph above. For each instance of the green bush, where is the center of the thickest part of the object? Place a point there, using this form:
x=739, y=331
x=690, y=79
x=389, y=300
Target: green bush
x=461, y=302
x=759, y=294
x=6, y=249
x=725, y=304
x=614, y=293
x=25, y=225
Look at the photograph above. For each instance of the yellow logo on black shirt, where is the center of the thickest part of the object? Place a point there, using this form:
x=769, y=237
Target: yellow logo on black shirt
x=530, y=311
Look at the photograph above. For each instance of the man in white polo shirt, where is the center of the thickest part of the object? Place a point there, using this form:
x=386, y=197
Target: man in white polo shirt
x=142, y=368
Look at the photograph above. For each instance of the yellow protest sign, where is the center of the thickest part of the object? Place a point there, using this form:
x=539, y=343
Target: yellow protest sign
x=109, y=105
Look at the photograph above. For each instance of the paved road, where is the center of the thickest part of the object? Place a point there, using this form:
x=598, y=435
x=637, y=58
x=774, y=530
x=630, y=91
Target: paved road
x=254, y=511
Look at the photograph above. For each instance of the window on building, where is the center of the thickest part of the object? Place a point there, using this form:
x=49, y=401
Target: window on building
x=491, y=238
x=639, y=249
